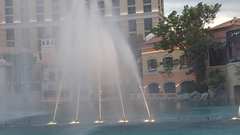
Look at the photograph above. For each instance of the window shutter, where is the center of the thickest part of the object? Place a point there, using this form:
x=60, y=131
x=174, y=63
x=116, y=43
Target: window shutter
x=181, y=60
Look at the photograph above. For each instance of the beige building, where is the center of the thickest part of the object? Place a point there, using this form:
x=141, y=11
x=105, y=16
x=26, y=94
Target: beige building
x=23, y=22
x=28, y=25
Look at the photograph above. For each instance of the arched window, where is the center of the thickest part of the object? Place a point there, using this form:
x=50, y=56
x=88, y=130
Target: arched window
x=47, y=42
x=43, y=43
x=152, y=64
x=153, y=88
x=170, y=87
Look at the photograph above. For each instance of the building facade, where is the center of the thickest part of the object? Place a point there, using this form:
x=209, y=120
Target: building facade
x=162, y=85
x=25, y=25
x=226, y=55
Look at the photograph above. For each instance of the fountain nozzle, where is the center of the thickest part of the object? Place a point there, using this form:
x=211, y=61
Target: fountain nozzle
x=52, y=123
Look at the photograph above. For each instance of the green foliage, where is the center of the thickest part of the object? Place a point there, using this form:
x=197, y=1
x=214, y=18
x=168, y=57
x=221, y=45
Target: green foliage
x=169, y=65
x=192, y=86
x=134, y=42
x=187, y=32
x=153, y=63
x=189, y=88
x=237, y=71
x=215, y=79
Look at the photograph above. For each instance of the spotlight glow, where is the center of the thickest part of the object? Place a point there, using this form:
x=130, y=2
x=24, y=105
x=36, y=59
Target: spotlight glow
x=123, y=121
x=74, y=122
x=149, y=120
x=52, y=123
x=97, y=122
x=236, y=118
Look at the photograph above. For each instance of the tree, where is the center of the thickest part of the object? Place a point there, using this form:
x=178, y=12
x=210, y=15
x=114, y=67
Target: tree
x=187, y=32
x=134, y=42
x=215, y=79
x=237, y=71
x=22, y=65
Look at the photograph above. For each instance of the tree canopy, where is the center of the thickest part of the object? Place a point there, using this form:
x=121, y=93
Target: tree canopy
x=215, y=79
x=187, y=32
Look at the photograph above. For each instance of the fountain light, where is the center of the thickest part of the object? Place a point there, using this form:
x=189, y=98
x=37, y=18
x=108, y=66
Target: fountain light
x=74, y=122
x=149, y=120
x=52, y=123
x=123, y=121
x=99, y=122
x=236, y=118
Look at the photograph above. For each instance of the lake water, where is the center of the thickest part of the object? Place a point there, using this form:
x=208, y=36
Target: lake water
x=171, y=118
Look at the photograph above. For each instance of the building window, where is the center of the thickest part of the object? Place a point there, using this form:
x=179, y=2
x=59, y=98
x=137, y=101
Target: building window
x=183, y=60
x=25, y=33
x=8, y=11
x=153, y=88
x=26, y=43
x=39, y=45
x=40, y=32
x=40, y=18
x=39, y=2
x=55, y=8
x=131, y=2
x=55, y=17
x=147, y=8
x=55, y=1
x=131, y=10
x=152, y=64
x=40, y=9
x=8, y=2
x=24, y=18
x=116, y=11
x=132, y=25
x=167, y=59
x=24, y=2
x=102, y=12
x=115, y=3
x=10, y=34
x=24, y=10
x=10, y=44
x=9, y=19
x=146, y=1
x=101, y=4
x=132, y=34
x=148, y=24
x=170, y=87
x=146, y=33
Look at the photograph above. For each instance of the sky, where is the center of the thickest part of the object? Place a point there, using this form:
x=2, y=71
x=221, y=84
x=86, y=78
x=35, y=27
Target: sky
x=228, y=10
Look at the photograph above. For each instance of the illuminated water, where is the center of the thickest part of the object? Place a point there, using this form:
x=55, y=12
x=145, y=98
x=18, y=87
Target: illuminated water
x=193, y=121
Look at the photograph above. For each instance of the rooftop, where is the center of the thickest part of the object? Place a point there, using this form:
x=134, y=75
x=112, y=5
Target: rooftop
x=234, y=21
x=152, y=41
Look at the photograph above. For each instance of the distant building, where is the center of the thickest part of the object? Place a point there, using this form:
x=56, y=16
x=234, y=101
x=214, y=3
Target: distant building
x=226, y=55
x=25, y=24
x=162, y=85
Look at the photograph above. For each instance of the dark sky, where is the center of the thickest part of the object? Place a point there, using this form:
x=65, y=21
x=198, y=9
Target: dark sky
x=229, y=9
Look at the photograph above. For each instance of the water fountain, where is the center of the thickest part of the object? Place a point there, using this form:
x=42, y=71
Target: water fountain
x=237, y=118
x=97, y=50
